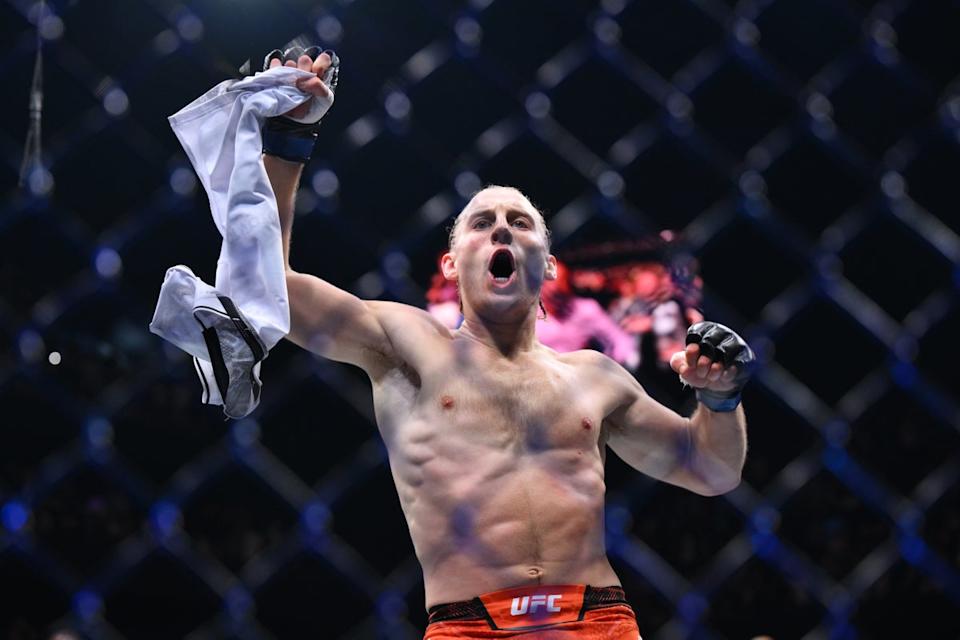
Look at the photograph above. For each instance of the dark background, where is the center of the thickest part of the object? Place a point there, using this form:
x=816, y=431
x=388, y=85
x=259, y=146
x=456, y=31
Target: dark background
x=806, y=149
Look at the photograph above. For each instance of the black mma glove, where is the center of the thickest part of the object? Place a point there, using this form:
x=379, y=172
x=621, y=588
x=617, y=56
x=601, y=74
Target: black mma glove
x=293, y=139
x=721, y=344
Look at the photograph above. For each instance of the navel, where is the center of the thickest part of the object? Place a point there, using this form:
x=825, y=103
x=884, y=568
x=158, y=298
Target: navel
x=587, y=424
x=446, y=402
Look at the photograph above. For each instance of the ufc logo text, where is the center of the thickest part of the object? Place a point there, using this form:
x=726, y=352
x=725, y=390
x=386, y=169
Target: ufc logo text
x=530, y=604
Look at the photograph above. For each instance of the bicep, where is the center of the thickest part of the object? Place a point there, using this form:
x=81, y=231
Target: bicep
x=334, y=323
x=654, y=440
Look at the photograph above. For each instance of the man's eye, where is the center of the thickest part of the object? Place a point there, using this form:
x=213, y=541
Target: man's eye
x=521, y=223
x=480, y=224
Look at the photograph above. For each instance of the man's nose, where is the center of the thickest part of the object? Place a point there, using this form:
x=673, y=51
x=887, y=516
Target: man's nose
x=501, y=234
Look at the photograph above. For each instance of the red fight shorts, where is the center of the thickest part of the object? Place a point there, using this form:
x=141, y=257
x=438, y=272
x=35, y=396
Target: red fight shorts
x=542, y=612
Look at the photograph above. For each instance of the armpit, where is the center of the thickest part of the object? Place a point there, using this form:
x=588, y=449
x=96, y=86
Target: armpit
x=414, y=334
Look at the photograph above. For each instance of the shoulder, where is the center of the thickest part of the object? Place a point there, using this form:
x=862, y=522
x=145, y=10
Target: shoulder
x=587, y=358
x=390, y=313
x=416, y=338
x=590, y=361
x=604, y=376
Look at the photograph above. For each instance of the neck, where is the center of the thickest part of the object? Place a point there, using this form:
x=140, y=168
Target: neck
x=510, y=338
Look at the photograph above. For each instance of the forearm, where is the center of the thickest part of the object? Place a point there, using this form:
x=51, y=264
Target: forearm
x=284, y=178
x=718, y=447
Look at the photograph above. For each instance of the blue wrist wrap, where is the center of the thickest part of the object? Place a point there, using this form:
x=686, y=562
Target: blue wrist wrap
x=292, y=147
x=716, y=402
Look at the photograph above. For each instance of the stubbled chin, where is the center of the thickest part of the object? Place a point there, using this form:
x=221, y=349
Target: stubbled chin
x=503, y=305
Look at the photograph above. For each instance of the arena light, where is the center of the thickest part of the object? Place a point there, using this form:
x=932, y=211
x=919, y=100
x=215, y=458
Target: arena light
x=14, y=516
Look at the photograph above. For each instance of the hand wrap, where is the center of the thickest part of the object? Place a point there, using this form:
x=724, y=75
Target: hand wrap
x=721, y=344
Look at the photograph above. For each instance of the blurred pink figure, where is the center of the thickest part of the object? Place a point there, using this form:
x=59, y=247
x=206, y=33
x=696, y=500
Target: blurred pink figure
x=574, y=322
x=443, y=301
x=648, y=303
x=669, y=325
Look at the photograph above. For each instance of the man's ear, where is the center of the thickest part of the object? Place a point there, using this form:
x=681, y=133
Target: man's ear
x=448, y=266
x=551, y=272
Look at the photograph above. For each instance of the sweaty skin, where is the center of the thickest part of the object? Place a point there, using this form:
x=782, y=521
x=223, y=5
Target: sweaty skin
x=496, y=442
x=498, y=462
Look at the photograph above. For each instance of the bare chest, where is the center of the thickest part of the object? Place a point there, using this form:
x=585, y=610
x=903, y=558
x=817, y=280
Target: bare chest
x=529, y=406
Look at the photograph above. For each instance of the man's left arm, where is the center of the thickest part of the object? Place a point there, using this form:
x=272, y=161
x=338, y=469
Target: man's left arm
x=718, y=448
x=706, y=452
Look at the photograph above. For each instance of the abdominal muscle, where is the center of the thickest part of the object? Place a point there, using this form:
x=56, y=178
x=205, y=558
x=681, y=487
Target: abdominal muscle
x=486, y=515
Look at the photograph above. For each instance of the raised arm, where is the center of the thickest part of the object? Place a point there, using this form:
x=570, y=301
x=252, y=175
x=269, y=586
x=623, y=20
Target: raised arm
x=324, y=319
x=706, y=452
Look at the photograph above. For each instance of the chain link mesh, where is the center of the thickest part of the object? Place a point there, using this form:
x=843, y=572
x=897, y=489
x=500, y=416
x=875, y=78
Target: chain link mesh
x=808, y=151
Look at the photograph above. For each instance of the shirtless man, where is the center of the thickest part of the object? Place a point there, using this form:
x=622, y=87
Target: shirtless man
x=496, y=442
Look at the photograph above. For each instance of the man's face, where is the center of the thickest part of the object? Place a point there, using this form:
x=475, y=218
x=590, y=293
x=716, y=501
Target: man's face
x=500, y=254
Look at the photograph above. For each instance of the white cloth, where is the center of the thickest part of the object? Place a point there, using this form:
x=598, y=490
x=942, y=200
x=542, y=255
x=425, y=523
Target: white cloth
x=220, y=131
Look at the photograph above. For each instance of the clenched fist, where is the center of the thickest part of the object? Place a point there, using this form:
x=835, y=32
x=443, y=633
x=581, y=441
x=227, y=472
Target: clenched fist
x=292, y=136
x=717, y=362
x=322, y=63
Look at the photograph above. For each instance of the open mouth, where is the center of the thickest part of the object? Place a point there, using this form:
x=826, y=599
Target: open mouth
x=502, y=266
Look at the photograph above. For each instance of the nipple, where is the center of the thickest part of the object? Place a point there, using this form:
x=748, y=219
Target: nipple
x=446, y=402
x=587, y=424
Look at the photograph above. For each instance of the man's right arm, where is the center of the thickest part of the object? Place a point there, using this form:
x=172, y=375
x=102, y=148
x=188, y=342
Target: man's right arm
x=324, y=319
